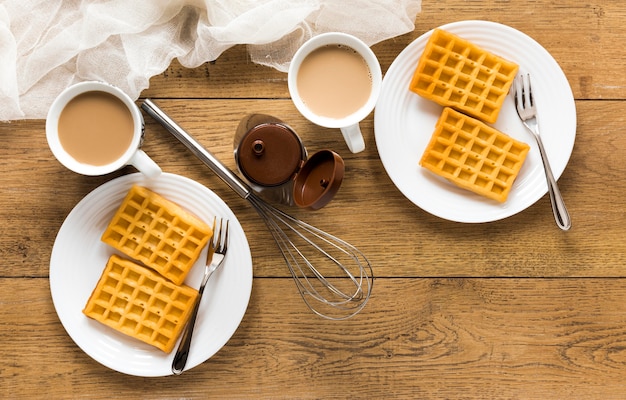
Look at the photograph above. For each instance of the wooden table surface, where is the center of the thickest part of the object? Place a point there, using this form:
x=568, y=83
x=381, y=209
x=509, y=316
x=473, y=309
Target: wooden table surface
x=510, y=309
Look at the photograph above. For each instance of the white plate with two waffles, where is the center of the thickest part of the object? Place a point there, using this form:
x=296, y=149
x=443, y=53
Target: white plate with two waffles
x=79, y=257
x=404, y=123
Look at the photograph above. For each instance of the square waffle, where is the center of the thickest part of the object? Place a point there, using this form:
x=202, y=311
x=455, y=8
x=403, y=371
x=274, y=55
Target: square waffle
x=140, y=303
x=157, y=232
x=456, y=73
x=474, y=155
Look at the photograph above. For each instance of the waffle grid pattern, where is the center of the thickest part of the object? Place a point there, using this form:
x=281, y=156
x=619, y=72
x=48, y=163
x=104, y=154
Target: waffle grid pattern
x=140, y=303
x=456, y=73
x=474, y=155
x=157, y=232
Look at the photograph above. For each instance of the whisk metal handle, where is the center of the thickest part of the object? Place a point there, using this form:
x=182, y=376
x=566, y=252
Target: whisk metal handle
x=232, y=180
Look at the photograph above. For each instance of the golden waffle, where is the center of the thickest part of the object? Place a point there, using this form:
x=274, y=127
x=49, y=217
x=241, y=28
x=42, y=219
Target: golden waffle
x=140, y=303
x=474, y=155
x=455, y=72
x=157, y=232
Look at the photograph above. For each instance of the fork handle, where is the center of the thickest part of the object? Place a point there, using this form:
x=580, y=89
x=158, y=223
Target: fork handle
x=180, y=358
x=561, y=215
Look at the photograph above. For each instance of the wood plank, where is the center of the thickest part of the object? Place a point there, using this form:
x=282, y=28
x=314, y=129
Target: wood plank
x=415, y=243
x=417, y=338
x=588, y=39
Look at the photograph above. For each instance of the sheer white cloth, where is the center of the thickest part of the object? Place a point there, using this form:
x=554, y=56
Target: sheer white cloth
x=46, y=45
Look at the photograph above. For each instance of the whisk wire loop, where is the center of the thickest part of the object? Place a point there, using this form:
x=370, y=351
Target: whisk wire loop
x=315, y=287
x=326, y=292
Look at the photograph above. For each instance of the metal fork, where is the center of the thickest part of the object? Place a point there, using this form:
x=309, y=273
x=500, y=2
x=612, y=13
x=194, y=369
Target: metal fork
x=218, y=245
x=527, y=111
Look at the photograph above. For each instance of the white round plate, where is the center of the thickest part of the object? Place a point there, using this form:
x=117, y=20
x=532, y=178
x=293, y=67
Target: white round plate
x=404, y=123
x=79, y=257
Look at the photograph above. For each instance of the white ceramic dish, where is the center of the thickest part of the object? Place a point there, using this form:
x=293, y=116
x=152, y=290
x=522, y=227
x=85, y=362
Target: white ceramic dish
x=78, y=258
x=404, y=123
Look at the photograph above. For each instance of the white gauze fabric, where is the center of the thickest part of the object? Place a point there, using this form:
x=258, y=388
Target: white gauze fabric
x=47, y=45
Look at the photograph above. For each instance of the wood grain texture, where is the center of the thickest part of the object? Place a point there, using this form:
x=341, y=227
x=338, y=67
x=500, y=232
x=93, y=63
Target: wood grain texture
x=525, y=245
x=513, y=309
x=419, y=338
x=583, y=37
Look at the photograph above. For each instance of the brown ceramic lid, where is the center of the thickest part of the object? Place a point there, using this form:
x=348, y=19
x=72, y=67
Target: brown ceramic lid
x=270, y=154
x=319, y=180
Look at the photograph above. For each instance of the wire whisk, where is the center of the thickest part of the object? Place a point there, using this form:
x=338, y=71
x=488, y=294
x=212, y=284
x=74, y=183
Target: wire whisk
x=334, y=278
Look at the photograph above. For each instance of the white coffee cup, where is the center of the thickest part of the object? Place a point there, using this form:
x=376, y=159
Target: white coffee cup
x=132, y=155
x=349, y=124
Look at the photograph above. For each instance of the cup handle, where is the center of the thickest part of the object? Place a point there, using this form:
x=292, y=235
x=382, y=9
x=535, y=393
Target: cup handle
x=354, y=138
x=145, y=164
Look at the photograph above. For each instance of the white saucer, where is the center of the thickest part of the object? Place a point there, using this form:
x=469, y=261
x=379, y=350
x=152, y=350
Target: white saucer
x=78, y=259
x=404, y=123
